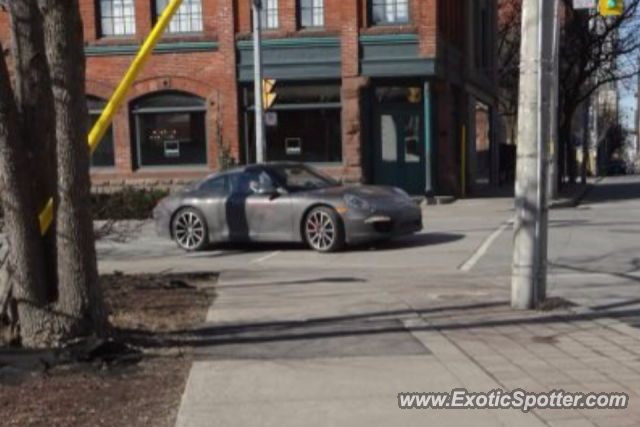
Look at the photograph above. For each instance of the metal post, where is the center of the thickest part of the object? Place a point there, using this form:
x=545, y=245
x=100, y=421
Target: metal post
x=257, y=64
x=546, y=134
x=638, y=113
x=554, y=100
x=595, y=104
x=463, y=163
x=529, y=256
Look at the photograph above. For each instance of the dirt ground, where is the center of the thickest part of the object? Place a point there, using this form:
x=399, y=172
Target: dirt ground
x=147, y=313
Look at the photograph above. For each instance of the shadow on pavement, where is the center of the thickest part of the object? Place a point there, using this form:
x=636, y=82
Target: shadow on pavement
x=306, y=338
x=407, y=242
x=618, y=190
x=624, y=275
x=295, y=282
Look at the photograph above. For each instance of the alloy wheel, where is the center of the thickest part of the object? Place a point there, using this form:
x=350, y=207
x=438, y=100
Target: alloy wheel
x=190, y=232
x=321, y=231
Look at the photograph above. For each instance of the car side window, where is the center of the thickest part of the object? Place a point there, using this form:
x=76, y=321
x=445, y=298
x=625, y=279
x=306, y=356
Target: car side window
x=249, y=182
x=238, y=184
x=215, y=185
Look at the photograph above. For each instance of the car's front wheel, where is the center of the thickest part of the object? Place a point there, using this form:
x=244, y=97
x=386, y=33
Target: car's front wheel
x=190, y=230
x=324, y=230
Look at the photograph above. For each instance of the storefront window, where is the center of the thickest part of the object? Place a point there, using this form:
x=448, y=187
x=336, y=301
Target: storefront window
x=103, y=156
x=305, y=136
x=170, y=130
x=304, y=124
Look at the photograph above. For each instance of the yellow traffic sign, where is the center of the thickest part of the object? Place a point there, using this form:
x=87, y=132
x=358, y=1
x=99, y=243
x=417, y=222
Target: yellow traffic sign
x=268, y=95
x=611, y=7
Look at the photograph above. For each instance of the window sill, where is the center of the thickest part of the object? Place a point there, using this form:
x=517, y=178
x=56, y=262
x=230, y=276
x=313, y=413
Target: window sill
x=100, y=170
x=300, y=33
x=313, y=30
x=173, y=168
x=113, y=40
x=189, y=37
x=383, y=29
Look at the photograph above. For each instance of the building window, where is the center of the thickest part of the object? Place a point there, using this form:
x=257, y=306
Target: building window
x=103, y=156
x=269, y=14
x=389, y=12
x=187, y=19
x=170, y=130
x=311, y=13
x=117, y=18
x=304, y=124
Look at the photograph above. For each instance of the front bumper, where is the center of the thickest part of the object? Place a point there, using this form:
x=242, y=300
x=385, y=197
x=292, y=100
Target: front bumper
x=361, y=228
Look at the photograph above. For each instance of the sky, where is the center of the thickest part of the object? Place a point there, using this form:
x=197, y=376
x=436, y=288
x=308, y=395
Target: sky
x=628, y=103
x=628, y=89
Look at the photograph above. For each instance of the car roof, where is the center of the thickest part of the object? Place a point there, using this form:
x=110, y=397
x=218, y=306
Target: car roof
x=257, y=166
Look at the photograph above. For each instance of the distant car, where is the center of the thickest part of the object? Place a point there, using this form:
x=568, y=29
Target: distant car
x=616, y=167
x=284, y=202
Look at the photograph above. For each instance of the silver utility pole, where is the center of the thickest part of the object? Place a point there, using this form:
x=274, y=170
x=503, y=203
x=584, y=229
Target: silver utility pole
x=257, y=64
x=554, y=102
x=638, y=112
x=531, y=223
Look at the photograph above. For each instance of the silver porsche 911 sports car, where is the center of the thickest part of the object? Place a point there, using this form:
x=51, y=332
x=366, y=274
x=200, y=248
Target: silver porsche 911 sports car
x=284, y=202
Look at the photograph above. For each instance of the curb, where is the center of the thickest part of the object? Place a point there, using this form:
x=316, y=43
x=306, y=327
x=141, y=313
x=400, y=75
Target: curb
x=574, y=201
x=435, y=200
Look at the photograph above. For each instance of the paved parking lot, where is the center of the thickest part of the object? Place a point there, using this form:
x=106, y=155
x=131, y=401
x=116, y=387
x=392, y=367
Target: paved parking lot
x=451, y=235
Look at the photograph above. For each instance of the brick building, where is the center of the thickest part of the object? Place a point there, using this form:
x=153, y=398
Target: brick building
x=370, y=90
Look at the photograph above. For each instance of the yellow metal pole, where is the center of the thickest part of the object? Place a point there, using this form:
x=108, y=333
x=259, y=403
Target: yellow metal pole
x=118, y=97
x=463, y=163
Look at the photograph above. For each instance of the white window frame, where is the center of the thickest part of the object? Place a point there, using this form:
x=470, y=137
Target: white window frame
x=117, y=18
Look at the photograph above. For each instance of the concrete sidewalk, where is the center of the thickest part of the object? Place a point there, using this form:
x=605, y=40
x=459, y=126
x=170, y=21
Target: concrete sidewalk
x=300, y=339
x=338, y=353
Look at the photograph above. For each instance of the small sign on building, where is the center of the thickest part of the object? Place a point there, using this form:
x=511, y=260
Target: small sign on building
x=172, y=149
x=271, y=119
x=293, y=146
x=584, y=4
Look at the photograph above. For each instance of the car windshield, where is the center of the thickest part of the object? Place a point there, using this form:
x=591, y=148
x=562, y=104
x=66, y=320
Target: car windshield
x=302, y=178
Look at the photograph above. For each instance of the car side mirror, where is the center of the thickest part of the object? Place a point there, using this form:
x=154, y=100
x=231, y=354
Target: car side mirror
x=267, y=189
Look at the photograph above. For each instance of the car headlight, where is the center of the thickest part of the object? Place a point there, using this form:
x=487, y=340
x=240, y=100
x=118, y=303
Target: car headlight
x=356, y=202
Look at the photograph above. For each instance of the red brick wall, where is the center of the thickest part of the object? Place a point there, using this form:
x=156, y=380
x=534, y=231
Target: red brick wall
x=428, y=28
x=212, y=75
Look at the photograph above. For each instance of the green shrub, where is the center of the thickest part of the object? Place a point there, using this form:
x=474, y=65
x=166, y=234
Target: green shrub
x=126, y=204
x=122, y=205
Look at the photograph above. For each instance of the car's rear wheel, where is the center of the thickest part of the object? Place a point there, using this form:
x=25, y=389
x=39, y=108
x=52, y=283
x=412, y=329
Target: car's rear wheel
x=324, y=230
x=190, y=230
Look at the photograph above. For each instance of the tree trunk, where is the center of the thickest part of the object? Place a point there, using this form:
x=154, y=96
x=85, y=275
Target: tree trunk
x=22, y=229
x=35, y=105
x=79, y=303
x=33, y=95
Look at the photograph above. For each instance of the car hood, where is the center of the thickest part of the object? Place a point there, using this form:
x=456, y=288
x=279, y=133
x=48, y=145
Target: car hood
x=364, y=191
x=376, y=195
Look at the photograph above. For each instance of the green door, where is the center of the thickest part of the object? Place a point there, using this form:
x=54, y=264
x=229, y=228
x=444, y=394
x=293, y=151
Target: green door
x=399, y=149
